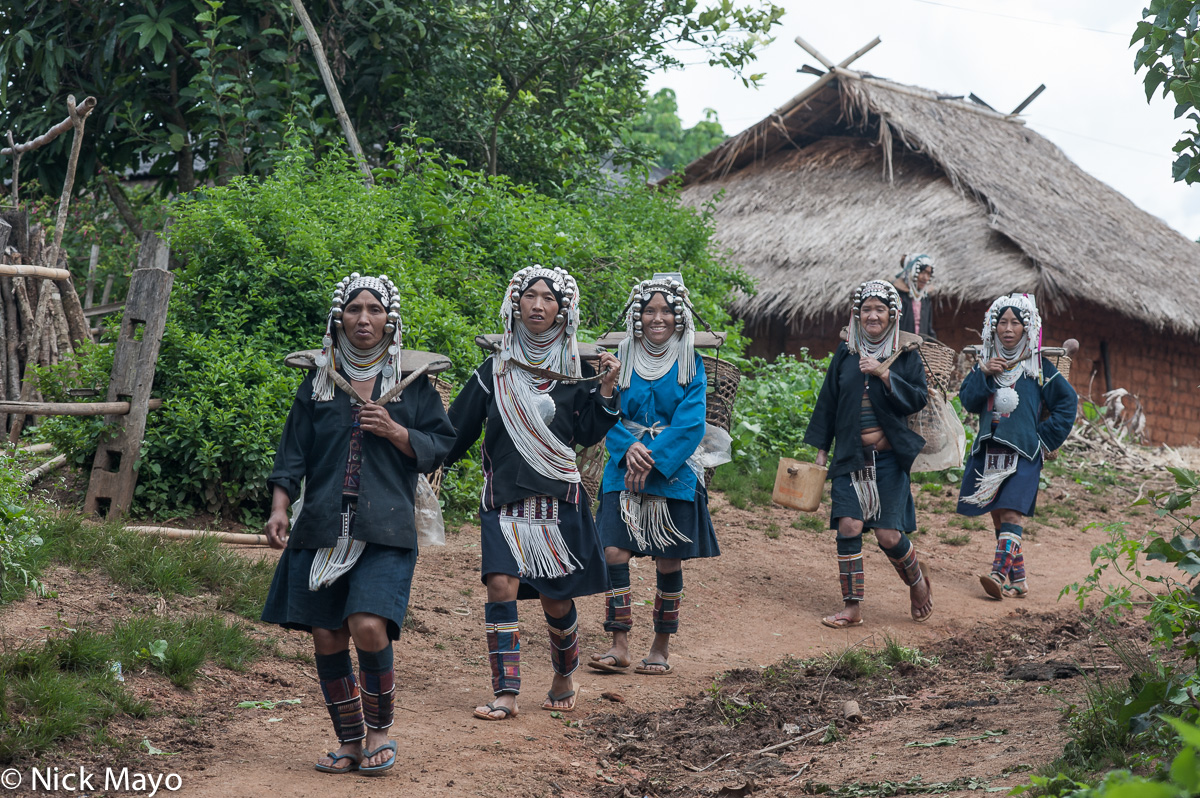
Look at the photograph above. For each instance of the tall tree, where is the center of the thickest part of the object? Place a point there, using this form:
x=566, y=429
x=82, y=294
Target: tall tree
x=659, y=129
x=205, y=89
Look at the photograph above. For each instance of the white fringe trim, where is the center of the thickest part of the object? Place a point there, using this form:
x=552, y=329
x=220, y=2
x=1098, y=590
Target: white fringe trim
x=866, y=487
x=649, y=521
x=538, y=546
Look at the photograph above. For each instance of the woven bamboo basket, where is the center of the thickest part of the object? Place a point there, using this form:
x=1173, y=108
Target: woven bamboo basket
x=723, y=379
x=444, y=390
x=1055, y=354
x=939, y=363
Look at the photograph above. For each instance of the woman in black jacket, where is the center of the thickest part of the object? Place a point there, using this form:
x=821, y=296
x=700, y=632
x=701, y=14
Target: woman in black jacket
x=538, y=540
x=873, y=384
x=347, y=567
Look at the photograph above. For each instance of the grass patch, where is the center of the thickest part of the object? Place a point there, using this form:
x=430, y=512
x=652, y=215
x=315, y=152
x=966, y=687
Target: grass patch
x=60, y=691
x=744, y=488
x=189, y=644
x=772, y=531
x=811, y=522
x=894, y=653
x=150, y=564
x=954, y=540
x=963, y=522
x=1062, y=511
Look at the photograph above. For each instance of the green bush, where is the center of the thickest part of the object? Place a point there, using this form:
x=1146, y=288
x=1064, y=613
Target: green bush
x=261, y=257
x=774, y=406
x=21, y=552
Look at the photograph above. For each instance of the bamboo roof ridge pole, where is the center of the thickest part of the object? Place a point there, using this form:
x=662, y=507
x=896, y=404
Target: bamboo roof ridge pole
x=331, y=86
x=78, y=326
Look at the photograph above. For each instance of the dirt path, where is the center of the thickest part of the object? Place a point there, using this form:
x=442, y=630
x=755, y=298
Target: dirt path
x=757, y=604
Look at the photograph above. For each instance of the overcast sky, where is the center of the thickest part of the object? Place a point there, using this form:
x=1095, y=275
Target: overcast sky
x=1094, y=106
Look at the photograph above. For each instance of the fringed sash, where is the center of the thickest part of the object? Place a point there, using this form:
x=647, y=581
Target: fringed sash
x=999, y=463
x=645, y=515
x=866, y=487
x=330, y=563
x=531, y=529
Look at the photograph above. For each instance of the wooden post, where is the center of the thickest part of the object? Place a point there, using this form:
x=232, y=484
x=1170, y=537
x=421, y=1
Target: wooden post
x=91, y=278
x=314, y=41
x=113, y=479
x=108, y=282
x=12, y=339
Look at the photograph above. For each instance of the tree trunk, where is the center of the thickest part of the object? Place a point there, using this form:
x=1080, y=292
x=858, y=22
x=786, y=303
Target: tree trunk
x=12, y=338
x=186, y=175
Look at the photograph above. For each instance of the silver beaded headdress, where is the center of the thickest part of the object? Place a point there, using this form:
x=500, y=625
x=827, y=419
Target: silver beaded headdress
x=634, y=349
x=564, y=353
x=910, y=267
x=336, y=349
x=1029, y=348
x=857, y=341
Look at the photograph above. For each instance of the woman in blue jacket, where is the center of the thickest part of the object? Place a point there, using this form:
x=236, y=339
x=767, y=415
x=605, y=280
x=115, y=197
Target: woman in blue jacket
x=653, y=502
x=1026, y=409
x=875, y=381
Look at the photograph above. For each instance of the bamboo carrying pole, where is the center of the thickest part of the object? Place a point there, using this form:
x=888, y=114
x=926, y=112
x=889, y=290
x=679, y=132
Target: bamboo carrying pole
x=335, y=96
x=71, y=408
x=188, y=534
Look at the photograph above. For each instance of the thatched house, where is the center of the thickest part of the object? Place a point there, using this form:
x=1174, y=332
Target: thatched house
x=832, y=189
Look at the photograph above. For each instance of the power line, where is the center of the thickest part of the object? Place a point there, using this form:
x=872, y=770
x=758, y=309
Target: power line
x=1023, y=19
x=1101, y=141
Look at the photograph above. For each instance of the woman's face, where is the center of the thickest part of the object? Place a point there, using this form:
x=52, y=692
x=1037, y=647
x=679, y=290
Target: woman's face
x=1009, y=329
x=538, y=307
x=658, y=320
x=363, y=319
x=873, y=316
x=924, y=278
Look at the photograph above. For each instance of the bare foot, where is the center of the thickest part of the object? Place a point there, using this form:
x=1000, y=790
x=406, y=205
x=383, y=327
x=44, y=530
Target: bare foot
x=502, y=708
x=851, y=615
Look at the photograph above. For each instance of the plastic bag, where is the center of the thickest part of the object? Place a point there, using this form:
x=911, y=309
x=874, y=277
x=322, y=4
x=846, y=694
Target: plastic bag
x=427, y=510
x=716, y=448
x=945, y=438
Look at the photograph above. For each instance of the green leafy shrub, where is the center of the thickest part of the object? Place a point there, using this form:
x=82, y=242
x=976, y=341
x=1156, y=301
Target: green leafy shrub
x=774, y=406
x=261, y=257
x=20, y=544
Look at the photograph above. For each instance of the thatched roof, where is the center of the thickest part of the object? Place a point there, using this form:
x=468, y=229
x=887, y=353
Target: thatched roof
x=832, y=190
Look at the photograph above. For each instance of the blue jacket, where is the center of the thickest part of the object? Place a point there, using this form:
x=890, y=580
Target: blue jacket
x=839, y=405
x=680, y=410
x=1023, y=429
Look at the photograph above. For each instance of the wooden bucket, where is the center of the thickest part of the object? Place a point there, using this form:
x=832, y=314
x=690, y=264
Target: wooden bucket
x=799, y=485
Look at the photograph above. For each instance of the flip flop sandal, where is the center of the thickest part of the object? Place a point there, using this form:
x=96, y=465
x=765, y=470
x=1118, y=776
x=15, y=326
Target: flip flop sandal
x=493, y=707
x=377, y=770
x=1012, y=592
x=991, y=587
x=840, y=623
x=658, y=669
x=604, y=667
x=929, y=599
x=330, y=768
x=554, y=698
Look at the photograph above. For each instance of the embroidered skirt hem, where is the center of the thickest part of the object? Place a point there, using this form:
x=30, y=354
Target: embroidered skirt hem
x=690, y=517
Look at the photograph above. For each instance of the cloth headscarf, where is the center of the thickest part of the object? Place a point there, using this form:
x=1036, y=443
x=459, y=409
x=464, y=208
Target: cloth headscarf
x=653, y=361
x=338, y=351
x=521, y=396
x=913, y=265
x=858, y=341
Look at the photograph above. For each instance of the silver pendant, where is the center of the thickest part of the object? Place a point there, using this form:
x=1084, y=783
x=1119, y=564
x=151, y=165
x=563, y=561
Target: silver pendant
x=1007, y=400
x=321, y=360
x=544, y=406
x=388, y=372
x=326, y=342
x=393, y=350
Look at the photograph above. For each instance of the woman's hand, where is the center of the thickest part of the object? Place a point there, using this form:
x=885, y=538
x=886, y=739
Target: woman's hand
x=609, y=381
x=822, y=457
x=635, y=480
x=277, y=529
x=870, y=365
x=994, y=366
x=638, y=463
x=375, y=419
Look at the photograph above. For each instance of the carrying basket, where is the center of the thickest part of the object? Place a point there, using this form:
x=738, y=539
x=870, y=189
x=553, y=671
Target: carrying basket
x=938, y=360
x=1055, y=354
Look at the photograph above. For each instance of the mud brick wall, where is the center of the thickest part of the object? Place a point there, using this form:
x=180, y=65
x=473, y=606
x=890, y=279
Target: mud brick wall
x=1161, y=368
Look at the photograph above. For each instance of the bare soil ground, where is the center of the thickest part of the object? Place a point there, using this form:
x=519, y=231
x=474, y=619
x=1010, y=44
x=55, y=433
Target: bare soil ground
x=758, y=605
